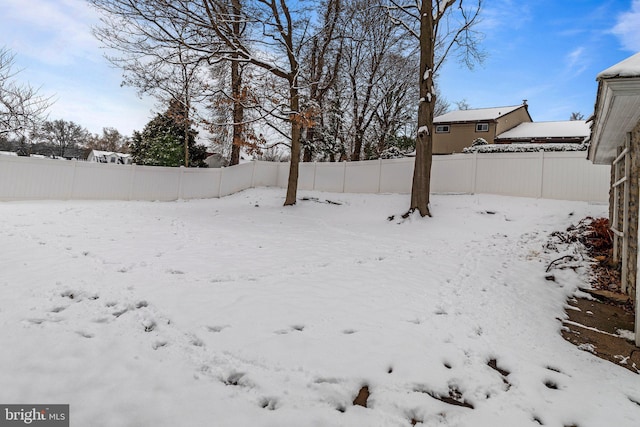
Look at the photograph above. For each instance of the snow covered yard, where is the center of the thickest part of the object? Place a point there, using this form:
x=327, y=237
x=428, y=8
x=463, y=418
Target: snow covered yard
x=240, y=312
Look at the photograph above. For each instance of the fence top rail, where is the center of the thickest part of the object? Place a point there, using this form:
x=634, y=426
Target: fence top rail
x=457, y=173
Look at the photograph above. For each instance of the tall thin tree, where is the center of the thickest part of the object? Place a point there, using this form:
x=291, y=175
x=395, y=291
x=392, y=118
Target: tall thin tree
x=441, y=28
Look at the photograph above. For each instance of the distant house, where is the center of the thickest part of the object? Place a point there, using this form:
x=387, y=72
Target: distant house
x=563, y=132
x=615, y=141
x=215, y=160
x=99, y=156
x=456, y=130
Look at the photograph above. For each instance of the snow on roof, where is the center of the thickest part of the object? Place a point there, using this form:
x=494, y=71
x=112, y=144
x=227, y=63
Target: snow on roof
x=476, y=114
x=630, y=67
x=98, y=153
x=617, y=109
x=525, y=148
x=561, y=129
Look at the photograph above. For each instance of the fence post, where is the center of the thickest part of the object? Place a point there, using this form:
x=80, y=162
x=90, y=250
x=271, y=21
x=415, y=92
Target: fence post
x=73, y=179
x=315, y=168
x=182, y=169
x=220, y=182
x=379, y=175
x=541, y=187
x=132, y=177
x=253, y=174
x=474, y=172
x=344, y=176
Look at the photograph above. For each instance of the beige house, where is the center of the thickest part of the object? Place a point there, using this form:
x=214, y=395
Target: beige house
x=615, y=140
x=456, y=130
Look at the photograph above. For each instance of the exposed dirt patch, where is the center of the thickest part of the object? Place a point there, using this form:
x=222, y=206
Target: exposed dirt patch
x=362, y=397
x=602, y=323
x=596, y=328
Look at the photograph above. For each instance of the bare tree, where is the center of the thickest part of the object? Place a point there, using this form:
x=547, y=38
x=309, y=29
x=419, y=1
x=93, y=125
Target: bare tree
x=321, y=69
x=62, y=134
x=441, y=28
x=371, y=40
x=273, y=43
x=159, y=53
x=395, y=109
x=463, y=105
x=442, y=105
x=576, y=115
x=21, y=107
x=267, y=34
x=110, y=140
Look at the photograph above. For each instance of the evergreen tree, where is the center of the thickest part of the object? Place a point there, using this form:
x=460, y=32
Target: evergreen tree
x=161, y=143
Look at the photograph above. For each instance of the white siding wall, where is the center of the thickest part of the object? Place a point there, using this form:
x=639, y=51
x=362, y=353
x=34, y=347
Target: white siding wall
x=556, y=175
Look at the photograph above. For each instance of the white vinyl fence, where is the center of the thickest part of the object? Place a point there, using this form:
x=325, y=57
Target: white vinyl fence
x=554, y=175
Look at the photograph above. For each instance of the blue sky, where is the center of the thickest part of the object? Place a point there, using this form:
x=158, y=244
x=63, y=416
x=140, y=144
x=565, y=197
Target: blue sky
x=546, y=51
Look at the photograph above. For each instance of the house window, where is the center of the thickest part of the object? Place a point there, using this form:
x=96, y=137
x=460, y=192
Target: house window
x=482, y=127
x=442, y=129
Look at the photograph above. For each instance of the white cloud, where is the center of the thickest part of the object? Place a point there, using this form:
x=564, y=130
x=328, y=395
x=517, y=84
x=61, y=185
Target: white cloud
x=576, y=61
x=54, y=46
x=54, y=32
x=503, y=14
x=626, y=27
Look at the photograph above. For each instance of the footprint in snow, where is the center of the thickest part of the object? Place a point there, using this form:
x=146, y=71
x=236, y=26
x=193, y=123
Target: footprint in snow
x=270, y=403
x=235, y=379
x=216, y=329
x=195, y=341
x=85, y=334
x=298, y=328
x=158, y=344
x=149, y=325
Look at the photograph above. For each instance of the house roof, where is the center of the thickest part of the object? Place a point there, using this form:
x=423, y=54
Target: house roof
x=476, y=115
x=617, y=109
x=562, y=129
x=630, y=67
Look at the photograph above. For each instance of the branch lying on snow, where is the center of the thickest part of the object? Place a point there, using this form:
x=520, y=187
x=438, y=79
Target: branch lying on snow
x=561, y=259
x=315, y=199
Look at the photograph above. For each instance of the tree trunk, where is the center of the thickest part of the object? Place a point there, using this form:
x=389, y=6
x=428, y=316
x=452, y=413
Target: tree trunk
x=186, y=148
x=307, y=156
x=187, y=127
x=236, y=90
x=292, y=184
x=357, y=146
x=238, y=112
x=424, y=142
